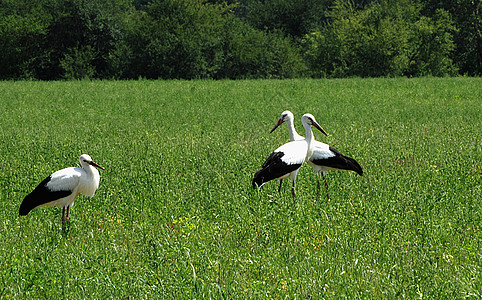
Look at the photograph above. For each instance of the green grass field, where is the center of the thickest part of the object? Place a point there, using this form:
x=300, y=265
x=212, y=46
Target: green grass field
x=176, y=217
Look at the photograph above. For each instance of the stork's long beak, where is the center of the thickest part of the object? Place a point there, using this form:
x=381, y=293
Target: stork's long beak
x=93, y=163
x=317, y=126
x=280, y=121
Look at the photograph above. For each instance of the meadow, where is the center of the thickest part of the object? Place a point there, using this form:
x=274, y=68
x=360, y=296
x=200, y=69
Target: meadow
x=176, y=217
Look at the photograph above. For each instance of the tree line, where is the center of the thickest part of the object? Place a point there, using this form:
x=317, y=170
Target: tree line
x=236, y=39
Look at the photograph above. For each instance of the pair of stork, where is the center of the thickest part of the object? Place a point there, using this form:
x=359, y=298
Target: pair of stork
x=286, y=161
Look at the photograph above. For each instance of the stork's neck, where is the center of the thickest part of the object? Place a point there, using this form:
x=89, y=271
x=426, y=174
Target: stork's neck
x=90, y=170
x=308, y=132
x=89, y=182
x=309, y=139
x=292, y=131
x=93, y=179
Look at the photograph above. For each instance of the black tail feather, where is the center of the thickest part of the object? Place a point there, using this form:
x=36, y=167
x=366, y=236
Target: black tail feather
x=339, y=161
x=354, y=165
x=39, y=196
x=258, y=179
x=25, y=207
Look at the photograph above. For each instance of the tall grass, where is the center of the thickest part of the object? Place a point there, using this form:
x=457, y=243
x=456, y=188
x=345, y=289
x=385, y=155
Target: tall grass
x=175, y=215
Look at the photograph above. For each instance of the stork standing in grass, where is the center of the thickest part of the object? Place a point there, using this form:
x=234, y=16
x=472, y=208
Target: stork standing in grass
x=324, y=156
x=62, y=187
x=285, y=161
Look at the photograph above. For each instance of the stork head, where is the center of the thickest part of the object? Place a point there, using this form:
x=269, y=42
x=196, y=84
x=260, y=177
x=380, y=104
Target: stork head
x=85, y=160
x=309, y=120
x=286, y=116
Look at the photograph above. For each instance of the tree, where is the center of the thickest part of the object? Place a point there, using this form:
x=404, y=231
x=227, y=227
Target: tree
x=431, y=45
x=23, y=27
x=252, y=53
x=467, y=16
x=387, y=38
x=53, y=39
x=80, y=38
x=293, y=18
x=192, y=39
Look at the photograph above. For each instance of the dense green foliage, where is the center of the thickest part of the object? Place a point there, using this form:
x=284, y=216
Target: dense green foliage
x=390, y=38
x=175, y=216
x=467, y=16
x=187, y=39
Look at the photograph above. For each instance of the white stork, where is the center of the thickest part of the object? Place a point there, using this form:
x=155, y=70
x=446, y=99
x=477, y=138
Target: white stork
x=285, y=161
x=62, y=187
x=324, y=156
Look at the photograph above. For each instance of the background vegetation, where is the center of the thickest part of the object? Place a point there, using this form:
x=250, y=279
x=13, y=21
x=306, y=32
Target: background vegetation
x=128, y=39
x=175, y=216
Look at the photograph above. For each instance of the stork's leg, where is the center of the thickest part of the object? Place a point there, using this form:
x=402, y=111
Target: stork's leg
x=63, y=215
x=68, y=214
x=279, y=188
x=326, y=186
x=318, y=185
x=293, y=189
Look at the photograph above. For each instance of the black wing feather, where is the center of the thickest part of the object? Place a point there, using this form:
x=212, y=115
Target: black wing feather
x=41, y=195
x=273, y=168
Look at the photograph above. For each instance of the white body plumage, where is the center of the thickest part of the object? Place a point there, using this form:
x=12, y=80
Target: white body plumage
x=83, y=181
